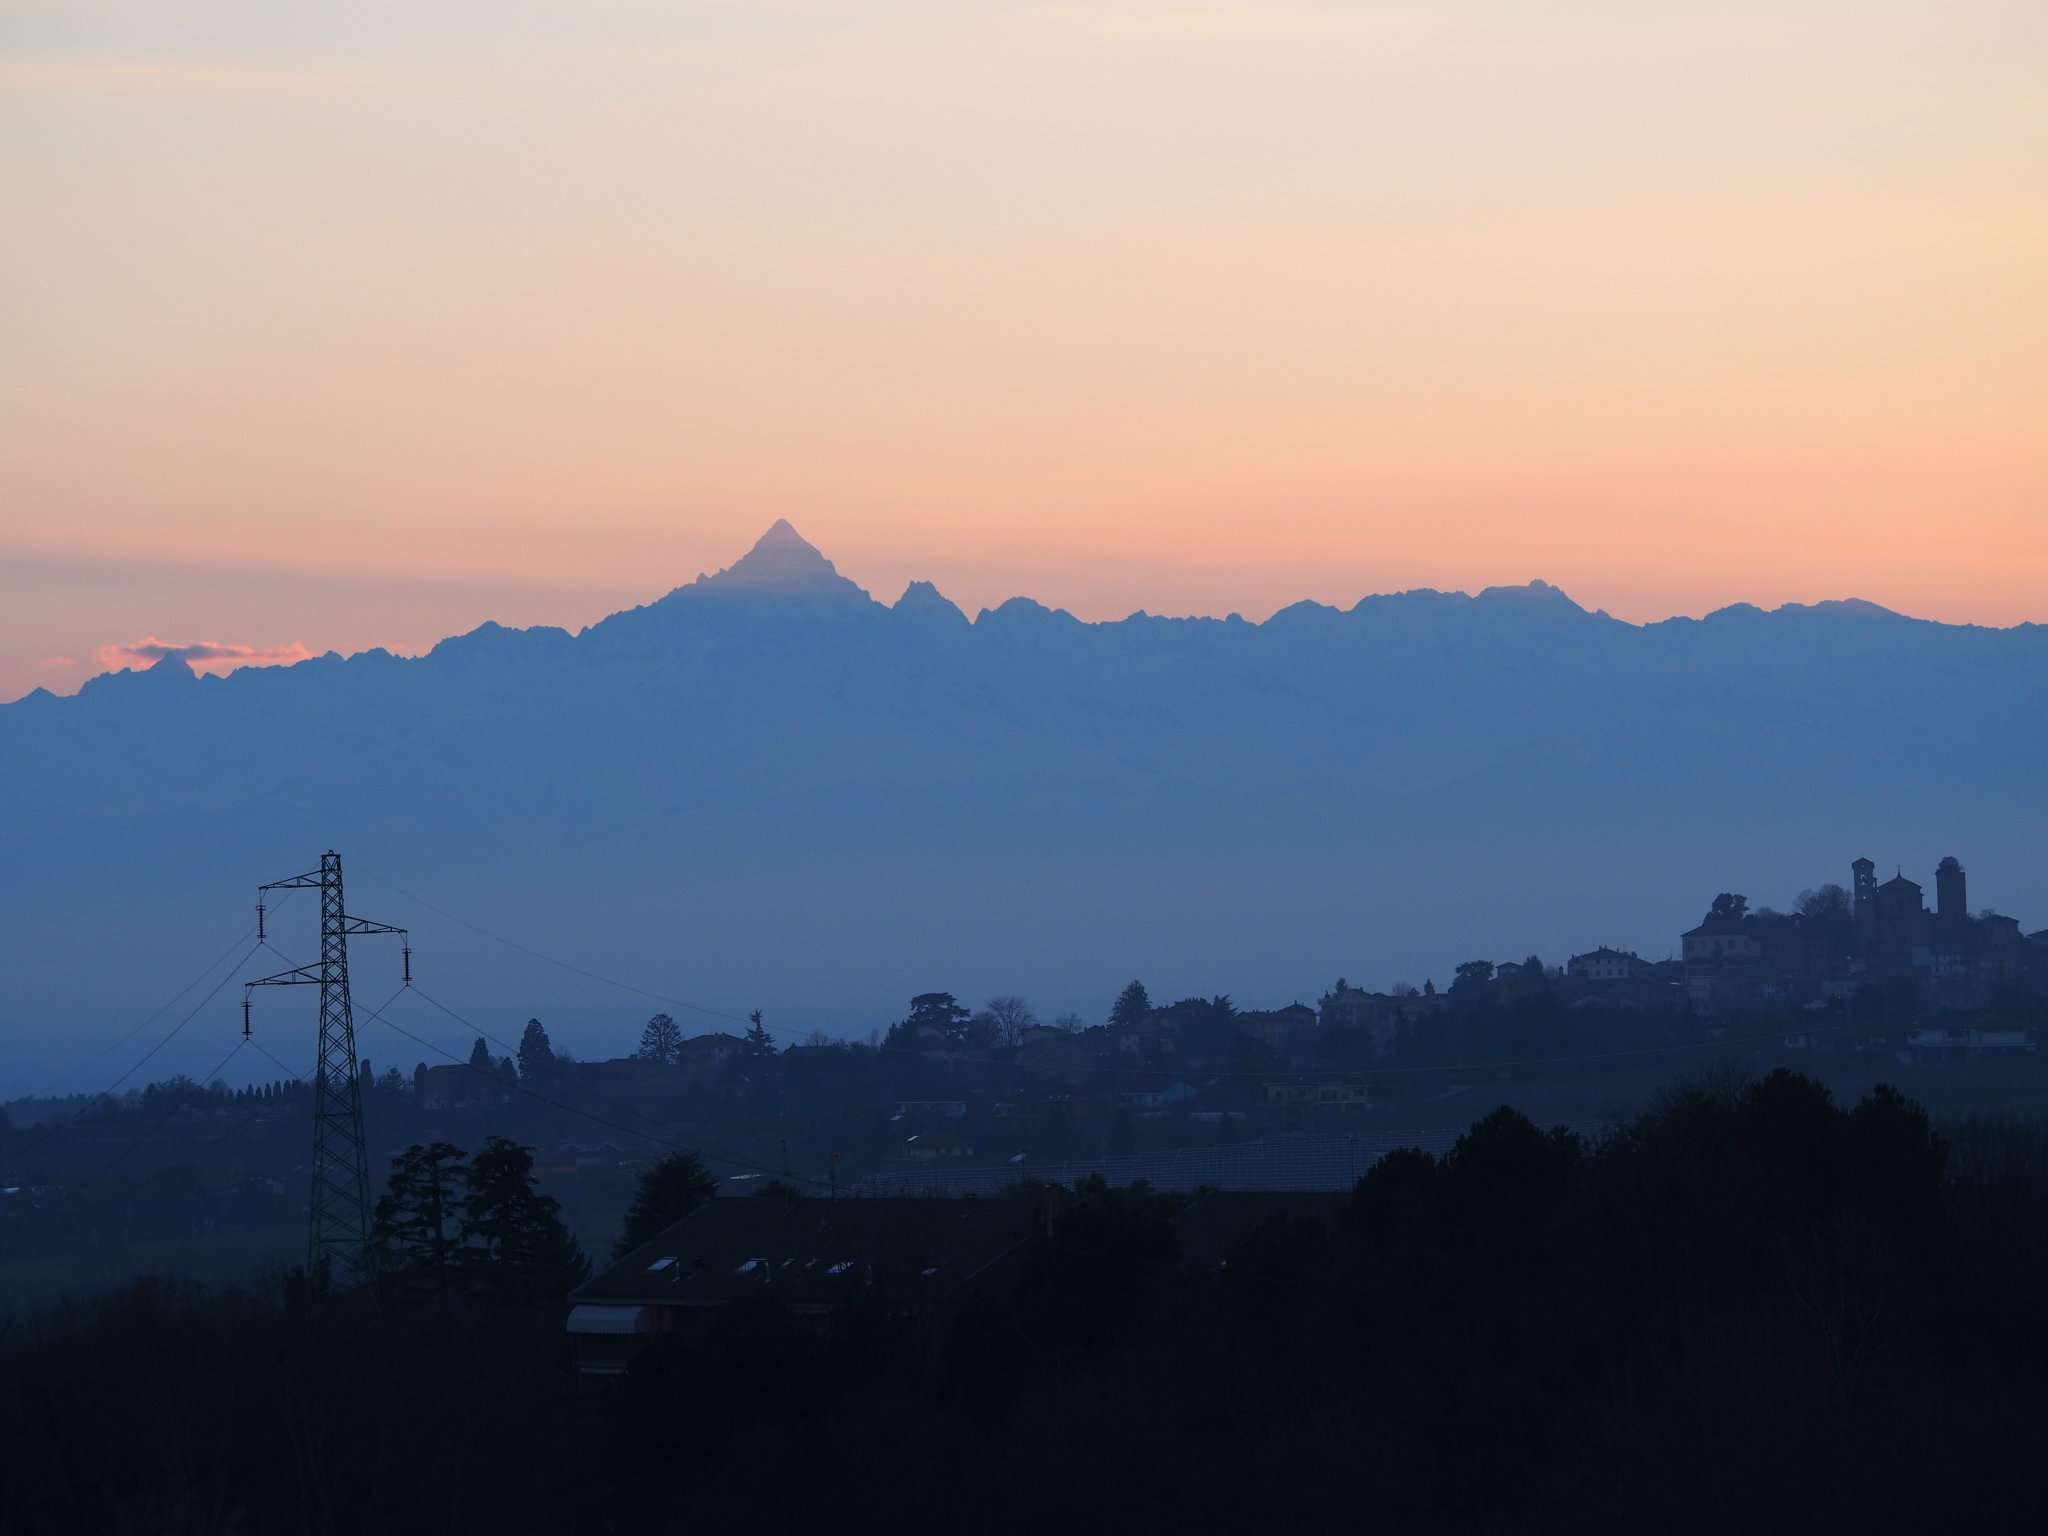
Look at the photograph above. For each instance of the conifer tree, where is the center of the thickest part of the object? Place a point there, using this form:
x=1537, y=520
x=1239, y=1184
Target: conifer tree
x=660, y=1041
x=523, y=1254
x=1132, y=1004
x=667, y=1192
x=536, y=1052
x=417, y=1242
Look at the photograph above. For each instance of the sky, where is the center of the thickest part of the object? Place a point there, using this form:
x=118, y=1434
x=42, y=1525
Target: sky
x=329, y=327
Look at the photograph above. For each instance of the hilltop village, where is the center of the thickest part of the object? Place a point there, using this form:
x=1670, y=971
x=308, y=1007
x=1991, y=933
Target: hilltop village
x=1859, y=984
x=1865, y=968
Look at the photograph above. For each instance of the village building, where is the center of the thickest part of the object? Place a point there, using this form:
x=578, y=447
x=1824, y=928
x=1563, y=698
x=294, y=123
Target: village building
x=1947, y=958
x=924, y=1257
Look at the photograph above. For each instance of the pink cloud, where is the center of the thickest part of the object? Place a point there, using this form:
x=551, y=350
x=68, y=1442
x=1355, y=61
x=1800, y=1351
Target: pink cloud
x=201, y=655
x=58, y=661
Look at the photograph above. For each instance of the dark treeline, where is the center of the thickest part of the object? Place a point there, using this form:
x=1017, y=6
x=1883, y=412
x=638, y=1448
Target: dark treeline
x=1750, y=1304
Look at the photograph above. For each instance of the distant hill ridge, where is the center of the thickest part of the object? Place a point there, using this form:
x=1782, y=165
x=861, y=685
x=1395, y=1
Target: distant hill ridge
x=785, y=574
x=767, y=787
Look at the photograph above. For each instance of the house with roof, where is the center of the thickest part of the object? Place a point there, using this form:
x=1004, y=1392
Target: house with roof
x=1946, y=956
x=1156, y=1095
x=457, y=1087
x=921, y=1257
x=1309, y=1092
x=1619, y=978
x=935, y=1147
x=1605, y=967
x=707, y=1053
x=1286, y=1030
x=1381, y=1016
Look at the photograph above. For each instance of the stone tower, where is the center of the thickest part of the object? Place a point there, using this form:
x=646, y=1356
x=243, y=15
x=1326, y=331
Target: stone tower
x=1864, y=887
x=1951, y=893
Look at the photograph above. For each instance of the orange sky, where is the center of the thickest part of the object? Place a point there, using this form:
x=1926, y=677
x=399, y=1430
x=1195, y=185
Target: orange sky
x=329, y=332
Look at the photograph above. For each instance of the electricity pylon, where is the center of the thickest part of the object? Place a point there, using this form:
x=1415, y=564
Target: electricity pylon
x=338, y=1231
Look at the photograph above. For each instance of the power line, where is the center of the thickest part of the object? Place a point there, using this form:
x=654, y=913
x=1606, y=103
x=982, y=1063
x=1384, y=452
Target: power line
x=165, y=1006
x=465, y=1023
x=486, y=1034
x=297, y=1077
x=661, y=1139
x=500, y=1080
x=167, y=1039
x=520, y=1086
x=217, y=1066
x=609, y=981
x=71, y=1074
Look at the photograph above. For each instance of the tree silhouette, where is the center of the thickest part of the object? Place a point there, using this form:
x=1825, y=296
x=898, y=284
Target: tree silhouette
x=661, y=1041
x=1826, y=901
x=480, y=1055
x=937, y=1010
x=1008, y=1017
x=1473, y=976
x=667, y=1192
x=536, y=1052
x=759, y=1041
x=418, y=1251
x=524, y=1256
x=1132, y=1004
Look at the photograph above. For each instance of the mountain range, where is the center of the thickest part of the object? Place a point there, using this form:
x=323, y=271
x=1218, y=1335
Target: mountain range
x=769, y=789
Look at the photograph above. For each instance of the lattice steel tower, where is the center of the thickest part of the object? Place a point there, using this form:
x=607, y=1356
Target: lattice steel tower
x=338, y=1235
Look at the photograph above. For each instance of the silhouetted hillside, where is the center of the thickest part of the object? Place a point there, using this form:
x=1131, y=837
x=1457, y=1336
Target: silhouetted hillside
x=1751, y=1308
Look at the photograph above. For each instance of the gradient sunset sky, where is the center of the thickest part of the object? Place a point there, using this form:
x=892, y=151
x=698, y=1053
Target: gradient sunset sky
x=333, y=326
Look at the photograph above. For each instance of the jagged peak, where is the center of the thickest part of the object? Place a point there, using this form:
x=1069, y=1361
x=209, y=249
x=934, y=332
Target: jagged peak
x=1828, y=608
x=172, y=667
x=782, y=534
x=1845, y=607
x=921, y=599
x=1024, y=610
x=1536, y=595
x=489, y=638
x=783, y=563
x=1307, y=610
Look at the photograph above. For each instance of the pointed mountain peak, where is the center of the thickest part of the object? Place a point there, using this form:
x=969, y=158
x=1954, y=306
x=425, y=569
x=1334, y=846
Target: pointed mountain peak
x=782, y=562
x=922, y=600
x=172, y=666
x=783, y=537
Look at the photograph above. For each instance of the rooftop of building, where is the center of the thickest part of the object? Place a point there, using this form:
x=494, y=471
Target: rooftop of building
x=817, y=1252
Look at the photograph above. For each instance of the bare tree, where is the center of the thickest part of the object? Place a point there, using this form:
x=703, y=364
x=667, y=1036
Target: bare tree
x=1011, y=1016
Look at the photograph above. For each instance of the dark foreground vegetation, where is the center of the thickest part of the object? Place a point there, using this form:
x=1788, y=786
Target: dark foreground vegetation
x=1751, y=1306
